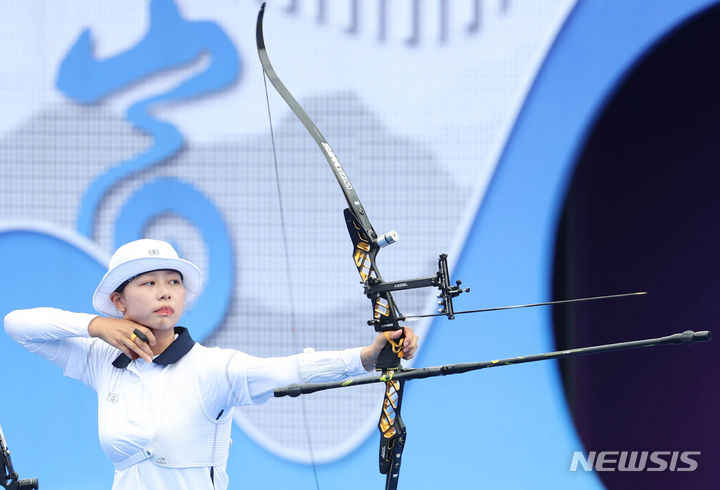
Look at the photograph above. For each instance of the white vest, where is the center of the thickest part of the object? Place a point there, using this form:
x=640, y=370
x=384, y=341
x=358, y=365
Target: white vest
x=193, y=440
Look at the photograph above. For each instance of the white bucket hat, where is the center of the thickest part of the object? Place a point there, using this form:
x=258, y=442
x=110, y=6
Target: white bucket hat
x=136, y=258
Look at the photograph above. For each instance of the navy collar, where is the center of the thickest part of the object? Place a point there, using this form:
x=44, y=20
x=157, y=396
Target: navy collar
x=175, y=351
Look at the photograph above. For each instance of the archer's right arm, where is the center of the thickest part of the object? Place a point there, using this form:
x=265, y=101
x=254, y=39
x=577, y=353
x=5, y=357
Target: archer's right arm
x=57, y=335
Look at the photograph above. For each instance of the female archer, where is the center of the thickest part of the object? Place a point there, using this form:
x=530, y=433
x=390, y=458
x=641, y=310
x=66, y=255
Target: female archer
x=164, y=401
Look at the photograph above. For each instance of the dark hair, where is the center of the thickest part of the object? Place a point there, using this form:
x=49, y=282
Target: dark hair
x=121, y=287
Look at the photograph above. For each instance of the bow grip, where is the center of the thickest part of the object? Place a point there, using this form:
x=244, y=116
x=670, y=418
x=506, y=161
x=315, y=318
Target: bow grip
x=390, y=355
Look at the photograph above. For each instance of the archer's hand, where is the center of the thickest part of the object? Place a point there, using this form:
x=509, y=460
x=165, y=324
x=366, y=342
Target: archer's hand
x=370, y=353
x=118, y=333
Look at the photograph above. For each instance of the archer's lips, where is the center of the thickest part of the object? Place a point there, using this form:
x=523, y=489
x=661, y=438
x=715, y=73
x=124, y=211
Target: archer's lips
x=165, y=310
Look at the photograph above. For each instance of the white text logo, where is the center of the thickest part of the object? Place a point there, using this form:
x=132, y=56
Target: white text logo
x=635, y=460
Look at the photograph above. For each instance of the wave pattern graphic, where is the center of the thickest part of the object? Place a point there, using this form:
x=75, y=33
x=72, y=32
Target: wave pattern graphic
x=171, y=42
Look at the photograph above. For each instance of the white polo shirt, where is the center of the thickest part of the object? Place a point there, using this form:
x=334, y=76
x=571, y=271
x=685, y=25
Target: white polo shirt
x=166, y=424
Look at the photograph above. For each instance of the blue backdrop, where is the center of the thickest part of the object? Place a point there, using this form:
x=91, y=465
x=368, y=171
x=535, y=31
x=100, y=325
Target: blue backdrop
x=504, y=428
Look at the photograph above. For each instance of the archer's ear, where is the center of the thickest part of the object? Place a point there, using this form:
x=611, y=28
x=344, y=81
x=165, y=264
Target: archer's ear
x=118, y=300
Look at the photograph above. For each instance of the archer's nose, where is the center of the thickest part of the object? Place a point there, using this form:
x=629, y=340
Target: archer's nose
x=163, y=292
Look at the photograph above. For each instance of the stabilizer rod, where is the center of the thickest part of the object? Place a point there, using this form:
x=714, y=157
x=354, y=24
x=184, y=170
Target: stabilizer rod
x=686, y=337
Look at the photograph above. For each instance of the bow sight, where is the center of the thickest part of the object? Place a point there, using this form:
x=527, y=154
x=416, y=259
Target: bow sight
x=374, y=286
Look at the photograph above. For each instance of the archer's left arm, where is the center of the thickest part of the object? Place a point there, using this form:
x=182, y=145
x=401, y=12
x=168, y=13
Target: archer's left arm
x=244, y=379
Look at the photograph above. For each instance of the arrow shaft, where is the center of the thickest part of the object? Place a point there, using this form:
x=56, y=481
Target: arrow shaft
x=529, y=305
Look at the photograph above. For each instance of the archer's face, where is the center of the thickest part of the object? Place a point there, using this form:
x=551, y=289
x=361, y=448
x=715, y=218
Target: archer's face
x=154, y=299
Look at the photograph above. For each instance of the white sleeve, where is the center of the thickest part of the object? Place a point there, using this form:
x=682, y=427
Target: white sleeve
x=253, y=379
x=59, y=336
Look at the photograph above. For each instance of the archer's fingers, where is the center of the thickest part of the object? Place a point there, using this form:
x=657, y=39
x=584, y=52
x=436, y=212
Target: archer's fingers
x=135, y=347
x=410, y=344
x=139, y=338
x=126, y=350
x=145, y=347
x=148, y=334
